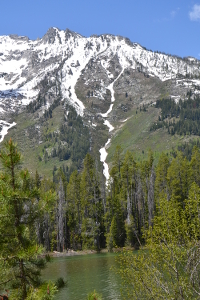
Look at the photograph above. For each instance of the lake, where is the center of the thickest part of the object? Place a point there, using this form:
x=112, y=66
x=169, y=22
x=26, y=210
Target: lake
x=84, y=273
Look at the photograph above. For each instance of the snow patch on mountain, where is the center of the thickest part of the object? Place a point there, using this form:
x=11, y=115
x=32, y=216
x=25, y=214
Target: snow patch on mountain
x=4, y=127
x=103, y=155
x=24, y=63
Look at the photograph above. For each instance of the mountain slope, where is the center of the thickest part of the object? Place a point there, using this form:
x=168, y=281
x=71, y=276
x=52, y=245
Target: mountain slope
x=106, y=78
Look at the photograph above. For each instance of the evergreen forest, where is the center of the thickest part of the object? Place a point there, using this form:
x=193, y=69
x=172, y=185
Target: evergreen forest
x=182, y=117
x=144, y=205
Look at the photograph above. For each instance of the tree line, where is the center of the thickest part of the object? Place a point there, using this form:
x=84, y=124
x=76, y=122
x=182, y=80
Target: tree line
x=167, y=266
x=85, y=212
x=181, y=117
x=89, y=214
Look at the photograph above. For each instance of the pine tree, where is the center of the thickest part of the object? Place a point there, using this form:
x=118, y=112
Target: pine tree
x=74, y=218
x=161, y=175
x=61, y=218
x=19, y=263
x=47, y=216
x=178, y=178
x=91, y=205
x=128, y=171
x=195, y=166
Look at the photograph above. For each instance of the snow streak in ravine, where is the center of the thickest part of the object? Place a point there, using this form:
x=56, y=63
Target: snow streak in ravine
x=4, y=127
x=103, y=152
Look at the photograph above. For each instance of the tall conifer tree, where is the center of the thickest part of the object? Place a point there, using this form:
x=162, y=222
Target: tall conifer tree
x=19, y=263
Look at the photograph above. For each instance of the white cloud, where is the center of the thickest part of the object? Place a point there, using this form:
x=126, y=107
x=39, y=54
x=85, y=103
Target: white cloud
x=195, y=13
x=173, y=13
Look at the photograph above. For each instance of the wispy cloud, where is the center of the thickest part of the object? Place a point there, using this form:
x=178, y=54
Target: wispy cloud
x=170, y=17
x=195, y=13
x=173, y=13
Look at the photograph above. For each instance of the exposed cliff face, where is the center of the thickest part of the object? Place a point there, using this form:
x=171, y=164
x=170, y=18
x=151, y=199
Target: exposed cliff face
x=103, y=77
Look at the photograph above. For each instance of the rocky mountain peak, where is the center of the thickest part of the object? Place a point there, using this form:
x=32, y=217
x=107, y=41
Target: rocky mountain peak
x=89, y=73
x=50, y=36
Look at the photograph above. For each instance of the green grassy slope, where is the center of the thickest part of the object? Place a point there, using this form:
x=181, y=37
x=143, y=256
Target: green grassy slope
x=29, y=134
x=135, y=135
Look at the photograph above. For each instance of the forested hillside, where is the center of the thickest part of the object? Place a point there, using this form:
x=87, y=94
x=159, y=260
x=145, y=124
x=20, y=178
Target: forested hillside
x=89, y=214
x=182, y=117
x=85, y=213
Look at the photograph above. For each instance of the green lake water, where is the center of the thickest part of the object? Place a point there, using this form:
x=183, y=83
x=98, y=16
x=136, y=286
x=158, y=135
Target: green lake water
x=85, y=273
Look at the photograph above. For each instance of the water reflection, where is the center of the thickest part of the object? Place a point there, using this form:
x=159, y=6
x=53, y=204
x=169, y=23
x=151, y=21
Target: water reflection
x=84, y=274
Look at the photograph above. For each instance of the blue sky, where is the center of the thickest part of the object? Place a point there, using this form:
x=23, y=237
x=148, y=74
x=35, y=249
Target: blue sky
x=171, y=26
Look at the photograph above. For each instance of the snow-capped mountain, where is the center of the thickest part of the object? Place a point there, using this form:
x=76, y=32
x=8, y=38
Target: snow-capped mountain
x=98, y=75
x=25, y=63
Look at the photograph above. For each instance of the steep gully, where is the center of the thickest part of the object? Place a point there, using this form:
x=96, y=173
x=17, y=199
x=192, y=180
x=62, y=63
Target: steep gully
x=103, y=152
x=5, y=126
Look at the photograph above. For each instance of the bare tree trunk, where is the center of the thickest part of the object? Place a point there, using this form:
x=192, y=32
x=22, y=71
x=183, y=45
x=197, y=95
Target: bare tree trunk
x=150, y=198
x=46, y=232
x=61, y=211
x=140, y=204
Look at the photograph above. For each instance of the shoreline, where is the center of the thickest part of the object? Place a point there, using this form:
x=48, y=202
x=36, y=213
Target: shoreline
x=72, y=252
